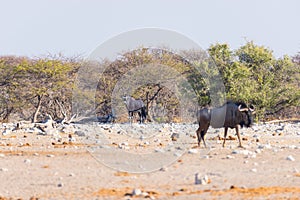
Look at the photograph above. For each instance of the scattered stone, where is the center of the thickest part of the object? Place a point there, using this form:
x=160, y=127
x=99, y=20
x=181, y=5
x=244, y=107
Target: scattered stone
x=255, y=128
x=6, y=132
x=27, y=161
x=71, y=138
x=79, y=133
x=50, y=155
x=290, y=158
x=193, y=151
x=136, y=192
x=163, y=169
x=266, y=146
x=174, y=136
x=60, y=185
x=36, y=154
x=258, y=151
x=254, y=170
x=3, y=169
x=2, y=155
x=157, y=140
x=201, y=180
x=229, y=157
x=71, y=174
x=177, y=154
x=243, y=152
x=292, y=147
x=125, y=143
x=159, y=150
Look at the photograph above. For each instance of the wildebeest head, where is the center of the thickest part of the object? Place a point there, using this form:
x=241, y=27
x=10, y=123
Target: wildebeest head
x=246, y=114
x=125, y=97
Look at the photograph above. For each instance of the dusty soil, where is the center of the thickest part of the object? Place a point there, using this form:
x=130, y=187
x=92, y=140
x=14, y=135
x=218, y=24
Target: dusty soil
x=37, y=166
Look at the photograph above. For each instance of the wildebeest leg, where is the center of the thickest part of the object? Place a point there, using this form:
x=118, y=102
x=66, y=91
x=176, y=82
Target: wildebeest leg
x=140, y=116
x=198, y=132
x=225, y=135
x=200, y=135
x=203, y=132
x=239, y=136
x=130, y=114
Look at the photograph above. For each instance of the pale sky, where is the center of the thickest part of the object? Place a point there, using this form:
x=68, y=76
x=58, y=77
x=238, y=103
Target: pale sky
x=72, y=27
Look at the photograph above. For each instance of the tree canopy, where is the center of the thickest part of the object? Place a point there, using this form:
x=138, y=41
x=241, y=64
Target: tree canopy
x=31, y=89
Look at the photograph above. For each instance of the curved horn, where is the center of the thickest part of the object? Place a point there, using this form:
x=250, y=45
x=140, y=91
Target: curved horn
x=251, y=108
x=242, y=109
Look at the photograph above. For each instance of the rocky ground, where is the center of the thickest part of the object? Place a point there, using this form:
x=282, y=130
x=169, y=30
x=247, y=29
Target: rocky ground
x=151, y=161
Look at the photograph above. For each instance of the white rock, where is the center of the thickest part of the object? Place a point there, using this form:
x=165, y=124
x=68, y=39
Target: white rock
x=252, y=155
x=243, y=152
x=254, y=170
x=27, y=161
x=71, y=139
x=292, y=147
x=266, y=146
x=136, y=192
x=193, y=151
x=229, y=157
x=6, y=132
x=2, y=155
x=145, y=194
x=159, y=150
x=255, y=128
x=290, y=158
x=50, y=156
x=258, y=151
x=3, y=169
x=201, y=180
x=177, y=154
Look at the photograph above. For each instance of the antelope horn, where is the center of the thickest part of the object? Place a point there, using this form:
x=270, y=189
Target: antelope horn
x=251, y=108
x=243, y=109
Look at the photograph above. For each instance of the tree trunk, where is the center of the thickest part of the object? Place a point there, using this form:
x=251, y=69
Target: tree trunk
x=37, y=110
x=7, y=114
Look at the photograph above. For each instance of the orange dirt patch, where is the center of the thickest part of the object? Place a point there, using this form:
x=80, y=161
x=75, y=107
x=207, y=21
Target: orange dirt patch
x=260, y=191
x=112, y=192
x=122, y=174
x=241, y=192
x=120, y=192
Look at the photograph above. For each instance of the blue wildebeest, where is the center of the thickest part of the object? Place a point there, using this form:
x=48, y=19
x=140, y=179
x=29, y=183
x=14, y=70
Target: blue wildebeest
x=135, y=105
x=230, y=115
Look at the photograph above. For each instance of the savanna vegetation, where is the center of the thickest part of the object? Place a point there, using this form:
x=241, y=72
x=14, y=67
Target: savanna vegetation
x=31, y=89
